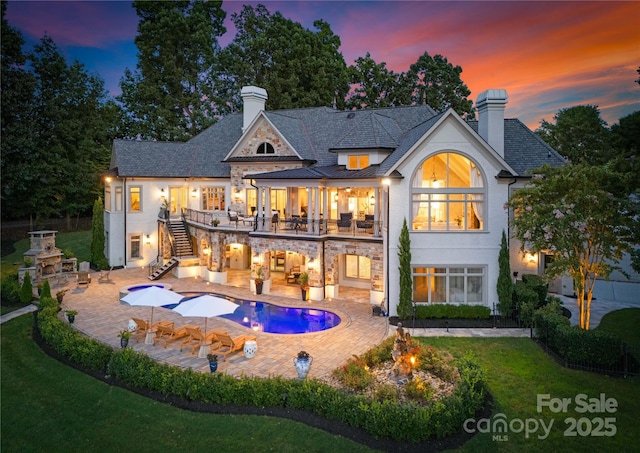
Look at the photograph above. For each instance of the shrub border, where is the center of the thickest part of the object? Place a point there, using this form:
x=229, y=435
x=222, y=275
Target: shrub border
x=47, y=324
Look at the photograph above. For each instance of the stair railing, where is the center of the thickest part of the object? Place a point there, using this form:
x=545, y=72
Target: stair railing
x=154, y=265
x=186, y=229
x=172, y=241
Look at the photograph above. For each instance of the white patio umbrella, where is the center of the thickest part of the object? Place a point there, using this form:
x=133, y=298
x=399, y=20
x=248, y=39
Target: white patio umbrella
x=206, y=306
x=153, y=296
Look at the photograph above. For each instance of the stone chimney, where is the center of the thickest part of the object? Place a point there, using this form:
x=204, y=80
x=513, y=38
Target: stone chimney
x=490, y=105
x=253, y=99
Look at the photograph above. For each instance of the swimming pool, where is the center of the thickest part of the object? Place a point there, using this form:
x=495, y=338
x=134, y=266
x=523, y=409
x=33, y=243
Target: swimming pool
x=266, y=317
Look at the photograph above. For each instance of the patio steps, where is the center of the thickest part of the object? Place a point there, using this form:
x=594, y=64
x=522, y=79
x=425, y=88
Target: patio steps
x=164, y=269
x=181, y=240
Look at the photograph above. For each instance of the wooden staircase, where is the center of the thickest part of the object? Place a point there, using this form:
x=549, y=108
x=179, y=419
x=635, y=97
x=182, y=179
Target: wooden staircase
x=181, y=242
x=164, y=269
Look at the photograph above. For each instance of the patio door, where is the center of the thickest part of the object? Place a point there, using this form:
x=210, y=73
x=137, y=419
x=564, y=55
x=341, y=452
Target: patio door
x=178, y=197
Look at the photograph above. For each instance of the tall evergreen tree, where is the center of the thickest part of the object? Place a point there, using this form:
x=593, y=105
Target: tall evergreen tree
x=172, y=94
x=505, y=285
x=405, y=304
x=298, y=67
x=97, y=236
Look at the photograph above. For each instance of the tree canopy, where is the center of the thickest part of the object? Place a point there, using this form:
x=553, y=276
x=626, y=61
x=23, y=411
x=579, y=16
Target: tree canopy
x=298, y=67
x=567, y=212
x=172, y=94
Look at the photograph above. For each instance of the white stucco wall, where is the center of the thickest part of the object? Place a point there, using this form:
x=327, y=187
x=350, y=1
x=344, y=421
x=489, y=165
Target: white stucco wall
x=448, y=249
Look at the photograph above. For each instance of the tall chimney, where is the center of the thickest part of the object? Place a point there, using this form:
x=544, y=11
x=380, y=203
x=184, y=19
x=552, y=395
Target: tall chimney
x=490, y=105
x=253, y=100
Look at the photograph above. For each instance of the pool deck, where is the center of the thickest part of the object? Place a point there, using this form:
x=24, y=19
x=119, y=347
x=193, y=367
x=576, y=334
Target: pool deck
x=101, y=315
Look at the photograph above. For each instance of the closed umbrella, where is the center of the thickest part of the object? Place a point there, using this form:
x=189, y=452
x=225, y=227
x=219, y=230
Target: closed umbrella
x=206, y=306
x=153, y=296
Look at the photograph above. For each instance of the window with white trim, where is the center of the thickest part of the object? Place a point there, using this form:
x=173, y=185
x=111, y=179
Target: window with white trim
x=265, y=148
x=448, y=193
x=135, y=246
x=357, y=266
x=357, y=161
x=463, y=285
x=118, y=198
x=213, y=198
x=107, y=198
x=135, y=198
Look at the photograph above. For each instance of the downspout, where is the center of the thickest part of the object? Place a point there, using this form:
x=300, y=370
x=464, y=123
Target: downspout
x=124, y=207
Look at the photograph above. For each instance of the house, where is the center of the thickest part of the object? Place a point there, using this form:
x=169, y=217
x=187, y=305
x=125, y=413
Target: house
x=327, y=192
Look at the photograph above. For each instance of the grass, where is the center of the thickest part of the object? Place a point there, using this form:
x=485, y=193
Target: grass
x=625, y=323
x=46, y=405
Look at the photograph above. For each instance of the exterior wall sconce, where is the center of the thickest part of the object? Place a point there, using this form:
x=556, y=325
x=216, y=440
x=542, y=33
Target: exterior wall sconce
x=532, y=258
x=194, y=193
x=335, y=197
x=372, y=200
x=162, y=190
x=107, y=179
x=148, y=240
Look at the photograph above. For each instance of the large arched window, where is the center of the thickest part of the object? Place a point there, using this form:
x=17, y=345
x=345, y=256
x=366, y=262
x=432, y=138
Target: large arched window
x=448, y=194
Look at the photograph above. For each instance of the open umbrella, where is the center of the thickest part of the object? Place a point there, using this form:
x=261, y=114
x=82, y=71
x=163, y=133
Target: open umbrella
x=153, y=296
x=206, y=306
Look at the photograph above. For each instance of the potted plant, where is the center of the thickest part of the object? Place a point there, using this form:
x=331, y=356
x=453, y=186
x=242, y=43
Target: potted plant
x=164, y=209
x=71, y=315
x=213, y=362
x=215, y=222
x=303, y=281
x=60, y=295
x=302, y=362
x=124, y=338
x=258, y=280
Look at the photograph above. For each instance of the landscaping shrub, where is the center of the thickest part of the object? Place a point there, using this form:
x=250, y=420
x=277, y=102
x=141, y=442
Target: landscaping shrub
x=538, y=285
x=526, y=302
x=452, y=311
x=45, y=291
x=10, y=290
x=418, y=390
x=434, y=361
x=587, y=347
x=379, y=353
x=382, y=416
x=26, y=292
x=386, y=392
x=355, y=374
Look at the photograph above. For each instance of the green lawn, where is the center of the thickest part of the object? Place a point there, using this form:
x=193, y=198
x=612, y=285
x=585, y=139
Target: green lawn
x=47, y=406
x=625, y=323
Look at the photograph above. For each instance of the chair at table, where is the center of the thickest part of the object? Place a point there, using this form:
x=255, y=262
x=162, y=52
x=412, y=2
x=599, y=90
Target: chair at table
x=233, y=217
x=83, y=278
x=366, y=224
x=293, y=274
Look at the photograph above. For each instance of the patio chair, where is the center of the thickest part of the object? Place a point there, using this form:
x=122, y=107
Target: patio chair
x=197, y=338
x=143, y=327
x=229, y=345
x=345, y=221
x=366, y=224
x=104, y=276
x=293, y=274
x=84, y=278
x=233, y=217
x=167, y=334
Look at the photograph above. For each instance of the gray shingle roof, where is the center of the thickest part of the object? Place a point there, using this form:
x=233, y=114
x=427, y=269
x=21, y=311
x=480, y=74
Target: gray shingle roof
x=315, y=134
x=523, y=149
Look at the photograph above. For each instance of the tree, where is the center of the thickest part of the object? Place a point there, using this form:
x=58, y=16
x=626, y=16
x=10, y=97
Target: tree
x=505, y=285
x=373, y=85
x=567, y=213
x=437, y=83
x=17, y=131
x=97, y=236
x=298, y=67
x=405, y=303
x=26, y=291
x=578, y=134
x=172, y=94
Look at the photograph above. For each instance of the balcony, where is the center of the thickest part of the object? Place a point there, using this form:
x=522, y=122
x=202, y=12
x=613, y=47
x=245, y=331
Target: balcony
x=289, y=226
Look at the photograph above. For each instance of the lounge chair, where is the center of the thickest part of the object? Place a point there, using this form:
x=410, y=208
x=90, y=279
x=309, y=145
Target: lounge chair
x=84, y=278
x=229, y=345
x=366, y=224
x=144, y=327
x=197, y=338
x=104, y=276
x=167, y=334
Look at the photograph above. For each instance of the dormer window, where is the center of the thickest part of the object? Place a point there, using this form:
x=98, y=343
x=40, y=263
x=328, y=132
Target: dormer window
x=265, y=148
x=356, y=162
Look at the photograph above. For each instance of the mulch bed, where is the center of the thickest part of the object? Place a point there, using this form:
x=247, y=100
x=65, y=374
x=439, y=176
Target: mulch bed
x=308, y=418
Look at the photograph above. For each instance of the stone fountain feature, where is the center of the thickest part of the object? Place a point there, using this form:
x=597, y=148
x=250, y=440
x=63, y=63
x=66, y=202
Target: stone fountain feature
x=403, y=360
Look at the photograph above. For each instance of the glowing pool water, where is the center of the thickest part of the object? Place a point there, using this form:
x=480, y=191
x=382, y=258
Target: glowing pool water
x=266, y=317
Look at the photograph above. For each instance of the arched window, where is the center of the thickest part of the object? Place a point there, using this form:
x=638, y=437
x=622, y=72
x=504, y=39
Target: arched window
x=448, y=194
x=265, y=148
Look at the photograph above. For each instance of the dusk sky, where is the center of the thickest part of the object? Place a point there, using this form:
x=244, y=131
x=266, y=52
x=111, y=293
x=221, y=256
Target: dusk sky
x=547, y=55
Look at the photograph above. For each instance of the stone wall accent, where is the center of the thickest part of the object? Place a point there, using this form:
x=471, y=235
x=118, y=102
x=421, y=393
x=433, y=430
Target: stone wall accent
x=372, y=250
